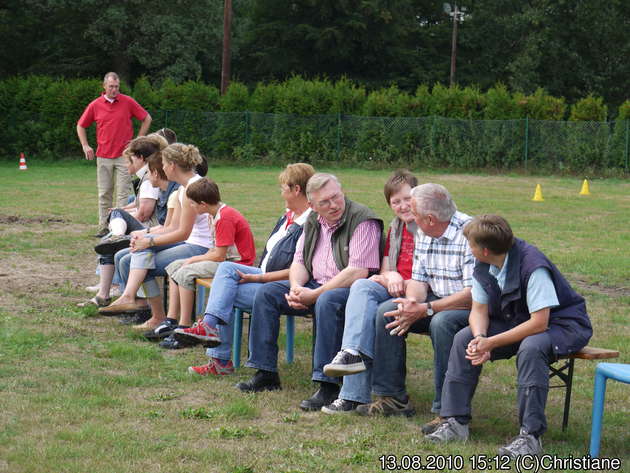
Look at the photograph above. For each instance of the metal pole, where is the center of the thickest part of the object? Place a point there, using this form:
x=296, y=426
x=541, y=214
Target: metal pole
x=627, y=142
x=526, y=151
x=338, y=136
x=454, y=44
x=225, y=66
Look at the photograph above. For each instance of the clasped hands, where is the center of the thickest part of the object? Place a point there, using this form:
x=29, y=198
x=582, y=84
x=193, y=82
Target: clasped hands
x=478, y=350
x=407, y=312
x=300, y=297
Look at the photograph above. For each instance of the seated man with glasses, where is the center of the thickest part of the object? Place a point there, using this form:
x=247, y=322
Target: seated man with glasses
x=340, y=243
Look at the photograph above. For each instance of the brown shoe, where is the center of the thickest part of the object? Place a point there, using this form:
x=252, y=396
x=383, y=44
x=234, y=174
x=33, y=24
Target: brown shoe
x=386, y=406
x=432, y=426
x=121, y=308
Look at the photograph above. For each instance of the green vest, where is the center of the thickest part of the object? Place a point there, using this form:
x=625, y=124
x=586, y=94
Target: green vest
x=353, y=215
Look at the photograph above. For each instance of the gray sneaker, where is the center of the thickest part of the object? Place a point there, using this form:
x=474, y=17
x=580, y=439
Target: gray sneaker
x=449, y=431
x=523, y=444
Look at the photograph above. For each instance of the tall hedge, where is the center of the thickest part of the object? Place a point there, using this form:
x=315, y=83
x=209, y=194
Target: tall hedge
x=331, y=121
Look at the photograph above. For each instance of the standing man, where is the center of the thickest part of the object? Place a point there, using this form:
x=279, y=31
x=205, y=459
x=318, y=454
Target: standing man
x=112, y=112
x=437, y=301
x=340, y=244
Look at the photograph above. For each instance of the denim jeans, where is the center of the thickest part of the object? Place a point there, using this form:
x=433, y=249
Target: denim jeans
x=270, y=303
x=391, y=351
x=156, y=260
x=225, y=294
x=533, y=355
x=358, y=387
x=132, y=225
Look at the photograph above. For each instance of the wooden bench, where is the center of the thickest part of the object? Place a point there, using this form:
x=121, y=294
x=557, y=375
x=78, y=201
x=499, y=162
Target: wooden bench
x=565, y=372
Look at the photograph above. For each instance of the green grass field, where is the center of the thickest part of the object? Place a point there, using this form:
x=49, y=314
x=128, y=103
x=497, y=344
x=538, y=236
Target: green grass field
x=82, y=393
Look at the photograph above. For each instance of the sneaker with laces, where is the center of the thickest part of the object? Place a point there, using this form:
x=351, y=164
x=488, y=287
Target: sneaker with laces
x=523, y=444
x=201, y=332
x=344, y=364
x=432, y=426
x=161, y=331
x=213, y=368
x=340, y=406
x=112, y=244
x=386, y=406
x=450, y=431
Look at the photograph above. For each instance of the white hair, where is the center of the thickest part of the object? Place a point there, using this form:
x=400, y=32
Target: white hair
x=319, y=180
x=433, y=199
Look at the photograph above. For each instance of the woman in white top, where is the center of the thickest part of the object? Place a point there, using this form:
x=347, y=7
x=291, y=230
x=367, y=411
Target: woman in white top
x=152, y=252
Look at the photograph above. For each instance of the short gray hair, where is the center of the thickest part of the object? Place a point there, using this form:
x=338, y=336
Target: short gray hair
x=319, y=180
x=113, y=75
x=434, y=199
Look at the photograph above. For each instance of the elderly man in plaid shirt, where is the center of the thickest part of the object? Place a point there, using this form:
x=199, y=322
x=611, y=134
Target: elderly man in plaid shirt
x=438, y=301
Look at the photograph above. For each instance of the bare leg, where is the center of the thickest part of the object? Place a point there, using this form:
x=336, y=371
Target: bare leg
x=157, y=312
x=106, y=274
x=186, y=301
x=136, y=278
x=173, y=300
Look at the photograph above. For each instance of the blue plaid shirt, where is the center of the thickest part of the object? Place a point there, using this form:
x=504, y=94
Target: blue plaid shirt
x=446, y=264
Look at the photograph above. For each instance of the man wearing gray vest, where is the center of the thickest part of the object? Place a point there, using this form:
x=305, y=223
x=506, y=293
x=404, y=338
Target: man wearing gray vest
x=340, y=244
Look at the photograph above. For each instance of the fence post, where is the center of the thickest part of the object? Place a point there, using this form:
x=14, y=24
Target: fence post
x=247, y=130
x=338, y=136
x=526, y=150
x=627, y=143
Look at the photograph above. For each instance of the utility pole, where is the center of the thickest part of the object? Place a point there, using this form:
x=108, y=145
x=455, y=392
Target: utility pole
x=225, y=65
x=458, y=16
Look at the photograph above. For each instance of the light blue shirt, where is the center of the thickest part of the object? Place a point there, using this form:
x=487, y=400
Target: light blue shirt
x=541, y=292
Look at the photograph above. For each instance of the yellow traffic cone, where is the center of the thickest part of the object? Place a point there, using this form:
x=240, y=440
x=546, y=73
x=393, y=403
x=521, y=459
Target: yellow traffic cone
x=585, y=190
x=538, y=194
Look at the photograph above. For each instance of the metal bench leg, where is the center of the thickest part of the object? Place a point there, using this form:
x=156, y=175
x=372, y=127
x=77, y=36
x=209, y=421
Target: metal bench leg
x=236, y=337
x=290, y=337
x=567, y=397
x=598, y=412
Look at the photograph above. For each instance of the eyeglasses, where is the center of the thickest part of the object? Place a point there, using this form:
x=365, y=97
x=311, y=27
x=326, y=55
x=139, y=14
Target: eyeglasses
x=328, y=202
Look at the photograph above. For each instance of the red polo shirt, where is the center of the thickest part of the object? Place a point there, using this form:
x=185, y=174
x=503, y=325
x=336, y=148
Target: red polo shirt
x=114, y=129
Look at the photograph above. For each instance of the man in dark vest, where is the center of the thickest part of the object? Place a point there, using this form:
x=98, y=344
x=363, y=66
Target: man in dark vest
x=340, y=244
x=523, y=306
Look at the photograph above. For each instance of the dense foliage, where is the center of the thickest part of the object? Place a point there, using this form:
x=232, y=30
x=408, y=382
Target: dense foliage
x=324, y=121
x=571, y=49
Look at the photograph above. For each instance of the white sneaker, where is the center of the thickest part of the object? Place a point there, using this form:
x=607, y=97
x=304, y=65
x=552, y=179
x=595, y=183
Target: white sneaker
x=449, y=431
x=523, y=444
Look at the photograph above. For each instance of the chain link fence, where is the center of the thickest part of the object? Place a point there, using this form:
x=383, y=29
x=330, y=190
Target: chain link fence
x=426, y=141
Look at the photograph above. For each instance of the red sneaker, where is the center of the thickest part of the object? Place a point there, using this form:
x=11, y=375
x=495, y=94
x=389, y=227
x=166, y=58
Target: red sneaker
x=198, y=333
x=212, y=368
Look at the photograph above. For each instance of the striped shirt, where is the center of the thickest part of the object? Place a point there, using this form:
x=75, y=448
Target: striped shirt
x=363, y=249
x=446, y=263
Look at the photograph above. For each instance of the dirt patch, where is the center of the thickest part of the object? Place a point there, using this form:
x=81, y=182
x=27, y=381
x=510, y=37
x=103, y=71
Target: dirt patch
x=612, y=291
x=15, y=219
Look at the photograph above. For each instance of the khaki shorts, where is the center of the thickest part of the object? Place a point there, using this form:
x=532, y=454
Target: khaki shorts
x=185, y=276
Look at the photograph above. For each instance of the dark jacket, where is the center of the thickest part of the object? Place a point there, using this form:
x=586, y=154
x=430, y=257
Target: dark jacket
x=569, y=324
x=353, y=215
x=282, y=253
x=161, y=205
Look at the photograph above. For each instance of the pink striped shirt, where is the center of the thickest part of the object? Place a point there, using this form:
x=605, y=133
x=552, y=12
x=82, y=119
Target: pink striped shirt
x=363, y=251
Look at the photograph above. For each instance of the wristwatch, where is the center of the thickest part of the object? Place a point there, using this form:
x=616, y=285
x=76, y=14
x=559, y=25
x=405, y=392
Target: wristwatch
x=151, y=241
x=430, y=310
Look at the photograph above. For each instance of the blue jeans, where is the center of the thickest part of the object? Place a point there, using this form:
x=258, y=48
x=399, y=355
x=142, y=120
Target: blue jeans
x=132, y=225
x=390, y=368
x=358, y=387
x=225, y=294
x=270, y=303
x=156, y=260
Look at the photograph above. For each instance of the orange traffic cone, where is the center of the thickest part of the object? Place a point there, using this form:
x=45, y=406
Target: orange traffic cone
x=22, y=162
x=538, y=194
x=585, y=190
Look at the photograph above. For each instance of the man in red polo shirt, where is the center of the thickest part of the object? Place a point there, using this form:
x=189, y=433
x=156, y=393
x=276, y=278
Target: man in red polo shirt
x=112, y=112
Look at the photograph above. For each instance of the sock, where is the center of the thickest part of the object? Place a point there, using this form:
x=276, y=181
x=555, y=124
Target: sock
x=118, y=226
x=351, y=351
x=211, y=320
x=220, y=362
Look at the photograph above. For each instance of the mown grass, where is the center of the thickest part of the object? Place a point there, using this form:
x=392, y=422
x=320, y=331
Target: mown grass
x=84, y=393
